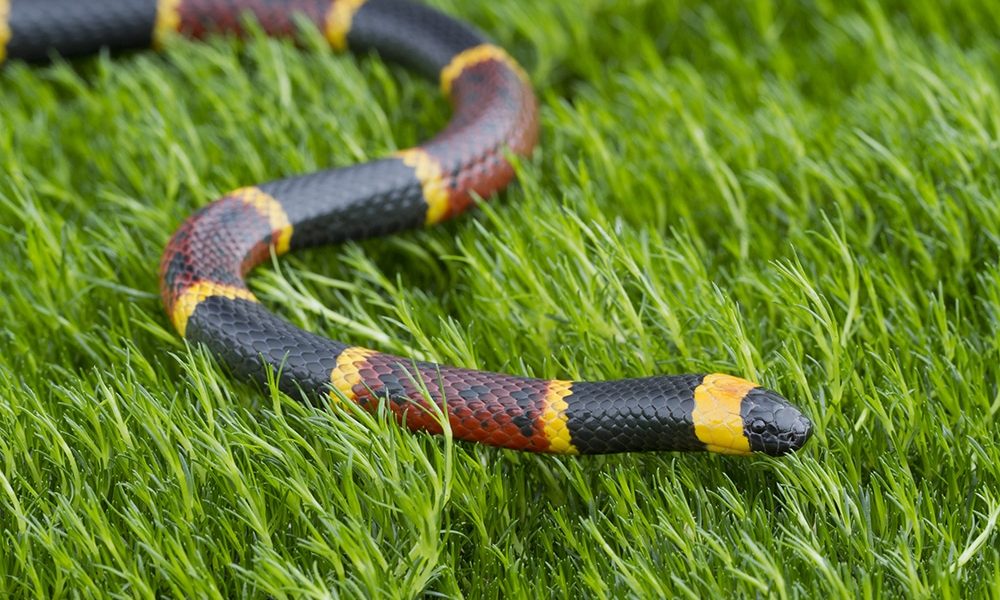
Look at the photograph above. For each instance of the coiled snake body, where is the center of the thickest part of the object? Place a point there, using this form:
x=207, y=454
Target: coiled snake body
x=494, y=113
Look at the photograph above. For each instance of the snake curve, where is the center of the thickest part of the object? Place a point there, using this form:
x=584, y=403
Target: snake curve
x=494, y=113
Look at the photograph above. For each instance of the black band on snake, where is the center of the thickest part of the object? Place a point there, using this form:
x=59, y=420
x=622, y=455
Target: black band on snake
x=494, y=113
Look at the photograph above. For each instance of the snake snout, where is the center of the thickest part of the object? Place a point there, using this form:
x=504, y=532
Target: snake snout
x=772, y=425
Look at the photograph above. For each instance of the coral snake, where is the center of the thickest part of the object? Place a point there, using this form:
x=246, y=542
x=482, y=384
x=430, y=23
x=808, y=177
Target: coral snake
x=494, y=113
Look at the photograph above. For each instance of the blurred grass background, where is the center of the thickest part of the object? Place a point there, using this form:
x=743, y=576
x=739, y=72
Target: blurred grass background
x=806, y=194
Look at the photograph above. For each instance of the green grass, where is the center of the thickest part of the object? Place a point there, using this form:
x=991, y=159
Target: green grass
x=805, y=194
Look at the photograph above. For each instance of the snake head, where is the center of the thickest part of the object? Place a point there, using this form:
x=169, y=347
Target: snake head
x=771, y=424
x=734, y=416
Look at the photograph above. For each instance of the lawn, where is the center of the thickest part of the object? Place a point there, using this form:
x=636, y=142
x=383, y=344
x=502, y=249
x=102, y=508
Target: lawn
x=804, y=194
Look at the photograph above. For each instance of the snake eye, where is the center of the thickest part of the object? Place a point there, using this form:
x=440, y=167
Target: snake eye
x=758, y=426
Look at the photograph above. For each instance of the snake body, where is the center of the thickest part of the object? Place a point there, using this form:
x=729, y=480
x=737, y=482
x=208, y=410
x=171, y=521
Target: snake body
x=494, y=116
